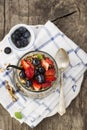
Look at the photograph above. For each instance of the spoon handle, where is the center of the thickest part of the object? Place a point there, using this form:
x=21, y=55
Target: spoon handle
x=14, y=66
x=61, y=106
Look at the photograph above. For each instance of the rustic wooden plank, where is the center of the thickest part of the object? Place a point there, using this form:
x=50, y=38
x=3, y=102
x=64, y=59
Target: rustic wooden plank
x=1, y=121
x=16, y=12
x=74, y=26
x=2, y=33
x=2, y=20
x=49, y=10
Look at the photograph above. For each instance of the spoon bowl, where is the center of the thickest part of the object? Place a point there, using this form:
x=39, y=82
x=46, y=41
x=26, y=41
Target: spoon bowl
x=62, y=59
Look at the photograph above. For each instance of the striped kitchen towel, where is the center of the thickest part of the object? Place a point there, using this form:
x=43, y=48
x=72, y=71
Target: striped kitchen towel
x=48, y=39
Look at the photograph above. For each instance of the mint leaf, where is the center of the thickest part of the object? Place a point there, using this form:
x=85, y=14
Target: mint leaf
x=18, y=115
x=39, y=56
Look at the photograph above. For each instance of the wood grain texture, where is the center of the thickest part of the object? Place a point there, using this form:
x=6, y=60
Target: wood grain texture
x=2, y=20
x=34, y=12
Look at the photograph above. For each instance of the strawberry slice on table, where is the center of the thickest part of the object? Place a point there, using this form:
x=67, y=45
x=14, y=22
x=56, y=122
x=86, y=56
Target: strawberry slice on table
x=36, y=85
x=29, y=73
x=50, y=78
x=50, y=72
x=45, y=85
x=49, y=61
x=45, y=64
x=24, y=64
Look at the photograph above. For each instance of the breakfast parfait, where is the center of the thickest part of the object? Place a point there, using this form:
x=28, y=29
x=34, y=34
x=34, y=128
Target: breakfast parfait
x=38, y=71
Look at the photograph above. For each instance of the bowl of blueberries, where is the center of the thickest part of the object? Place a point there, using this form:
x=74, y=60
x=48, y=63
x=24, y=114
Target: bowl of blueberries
x=38, y=74
x=21, y=37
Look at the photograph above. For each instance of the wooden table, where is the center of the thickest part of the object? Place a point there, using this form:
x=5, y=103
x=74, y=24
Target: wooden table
x=74, y=26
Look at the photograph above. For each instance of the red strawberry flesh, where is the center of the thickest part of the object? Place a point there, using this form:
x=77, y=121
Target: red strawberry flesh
x=30, y=64
x=29, y=73
x=50, y=72
x=36, y=85
x=24, y=64
x=45, y=64
x=49, y=61
x=46, y=84
x=50, y=78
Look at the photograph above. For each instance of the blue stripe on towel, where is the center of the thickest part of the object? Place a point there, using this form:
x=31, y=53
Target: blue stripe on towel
x=9, y=105
x=2, y=84
x=74, y=88
x=12, y=103
x=7, y=72
x=77, y=49
x=47, y=42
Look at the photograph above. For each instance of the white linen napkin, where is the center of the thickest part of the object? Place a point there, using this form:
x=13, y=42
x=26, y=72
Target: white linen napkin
x=48, y=39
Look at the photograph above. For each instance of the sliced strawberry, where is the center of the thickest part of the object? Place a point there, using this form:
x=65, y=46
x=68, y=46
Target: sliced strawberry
x=50, y=72
x=30, y=64
x=36, y=85
x=49, y=61
x=45, y=64
x=50, y=78
x=46, y=84
x=29, y=73
x=24, y=64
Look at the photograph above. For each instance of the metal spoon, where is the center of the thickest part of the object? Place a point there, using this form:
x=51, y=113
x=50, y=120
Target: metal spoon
x=62, y=60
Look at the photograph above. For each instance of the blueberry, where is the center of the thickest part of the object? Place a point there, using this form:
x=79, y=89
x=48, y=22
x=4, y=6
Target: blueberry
x=22, y=29
x=22, y=74
x=21, y=38
x=40, y=78
x=17, y=33
x=13, y=36
x=28, y=83
x=27, y=34
x=17, y=37
x=7, y=50
x=24, y=42
x=36, y=61
x=18, y=44
x=36, y=72
x=14, y=41
x=41, y=69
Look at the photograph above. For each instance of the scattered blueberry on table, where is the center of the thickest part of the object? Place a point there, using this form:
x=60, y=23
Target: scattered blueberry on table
x=7, y=50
